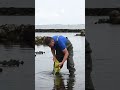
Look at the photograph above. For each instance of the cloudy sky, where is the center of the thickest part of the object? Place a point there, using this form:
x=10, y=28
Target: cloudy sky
x=59, y=12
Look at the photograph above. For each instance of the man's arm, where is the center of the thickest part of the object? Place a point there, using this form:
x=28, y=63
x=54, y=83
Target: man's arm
x=65, y=51
x=53, y=53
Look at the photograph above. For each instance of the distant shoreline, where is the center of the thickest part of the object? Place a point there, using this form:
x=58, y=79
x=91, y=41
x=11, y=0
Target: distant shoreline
x=6, y=11
x=99, y=11
x=59, y=30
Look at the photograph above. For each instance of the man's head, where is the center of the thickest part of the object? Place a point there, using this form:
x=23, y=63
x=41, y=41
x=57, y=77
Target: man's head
x=49, y=41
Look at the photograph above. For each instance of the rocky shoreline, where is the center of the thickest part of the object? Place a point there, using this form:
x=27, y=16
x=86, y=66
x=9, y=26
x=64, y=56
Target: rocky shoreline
x=17, y=34
x=113, y=15
x=17, y=11
x=59, y=30
x=39, y=40
x=10, y=63
x=99, y=11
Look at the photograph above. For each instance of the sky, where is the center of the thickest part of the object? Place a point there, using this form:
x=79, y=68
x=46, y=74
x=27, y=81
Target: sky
x=59, y=12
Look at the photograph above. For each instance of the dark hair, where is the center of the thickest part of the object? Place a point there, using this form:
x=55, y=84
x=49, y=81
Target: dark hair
x=47, y=40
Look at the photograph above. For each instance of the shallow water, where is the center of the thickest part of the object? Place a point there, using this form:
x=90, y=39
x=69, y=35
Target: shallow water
x=45, y=80
x=17, y=20
x=105, y=43
x=17, y=78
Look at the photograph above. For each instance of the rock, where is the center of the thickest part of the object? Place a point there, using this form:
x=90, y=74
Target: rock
x=1, y=69
x=39, y=40
x=82, y=33
x=102, y=21
x=40, y=52
x=4, y=62
x=77, y=35
x=114, y=13
x=114, y=18
x=18, y=33
x=11, y=62
x=22, y=62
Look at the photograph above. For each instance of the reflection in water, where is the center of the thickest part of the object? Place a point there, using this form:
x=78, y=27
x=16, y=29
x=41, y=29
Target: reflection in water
x=70, y=83
x=60, y=85
x=9, y=45
x=88, y=67
x=15, y=78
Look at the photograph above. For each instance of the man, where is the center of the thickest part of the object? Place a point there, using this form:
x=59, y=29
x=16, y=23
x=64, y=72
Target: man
x=62, y=50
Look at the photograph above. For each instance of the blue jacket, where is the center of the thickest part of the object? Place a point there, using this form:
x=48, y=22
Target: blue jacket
x=60, y=42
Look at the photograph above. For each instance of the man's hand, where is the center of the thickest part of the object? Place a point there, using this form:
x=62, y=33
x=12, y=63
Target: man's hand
x=54, y=58
x=61, y=63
